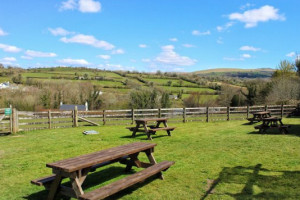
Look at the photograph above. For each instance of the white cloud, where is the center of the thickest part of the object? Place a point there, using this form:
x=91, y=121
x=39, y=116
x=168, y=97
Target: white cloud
x=262, y=14
x=146, y=60
x=118, y=51
x=59, y=31
x=188, y=45
x=246, y=56
x=26, y=57
x=291, y=54
x=241, y=58
x=143, y=46
x=105, y=57
x=2, y=32
x=68, y=5
x=247, y=5
x=173, y=39
x=77, y=62
x=85, y=6
x=40, y=54
x=224, y=27
x=9, y=59
x=170, y=57
x=196, y=32
x=9, y=48
x=89, y=6
x=249, y=48
x=88, y=40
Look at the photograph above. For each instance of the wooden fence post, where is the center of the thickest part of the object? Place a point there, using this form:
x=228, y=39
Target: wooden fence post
x=159, y=113
x=49, y=119
x=207, y=114
x=266, y=107
x=248, y=109
x=132, y=116
x=184, y=115
x=10, y=120
x=75, y=117
x=15, y=124
x=104, y=117
x=228, y=113
x=282, y=110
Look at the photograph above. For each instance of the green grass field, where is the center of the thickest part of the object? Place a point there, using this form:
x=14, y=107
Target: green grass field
x=215, y=160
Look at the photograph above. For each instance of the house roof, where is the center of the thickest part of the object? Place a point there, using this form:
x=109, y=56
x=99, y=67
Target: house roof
x=72, y=107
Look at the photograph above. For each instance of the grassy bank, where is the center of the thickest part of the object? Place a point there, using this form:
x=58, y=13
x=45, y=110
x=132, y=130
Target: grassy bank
x=216, y=160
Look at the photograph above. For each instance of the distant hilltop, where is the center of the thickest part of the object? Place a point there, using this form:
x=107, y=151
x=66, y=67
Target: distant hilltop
x=237, y=73
x=225, y=70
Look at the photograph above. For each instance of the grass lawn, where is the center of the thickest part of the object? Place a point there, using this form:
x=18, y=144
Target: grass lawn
x=215, y=160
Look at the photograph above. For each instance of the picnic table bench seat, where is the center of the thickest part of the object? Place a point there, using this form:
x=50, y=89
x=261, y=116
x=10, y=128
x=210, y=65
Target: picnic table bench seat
x=281, y=128
x=47, y=180
x=124, y=183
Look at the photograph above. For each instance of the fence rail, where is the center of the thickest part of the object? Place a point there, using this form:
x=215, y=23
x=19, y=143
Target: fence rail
x=26, y=121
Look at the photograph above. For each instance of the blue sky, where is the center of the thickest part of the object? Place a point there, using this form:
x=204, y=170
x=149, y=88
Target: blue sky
x=166, y=35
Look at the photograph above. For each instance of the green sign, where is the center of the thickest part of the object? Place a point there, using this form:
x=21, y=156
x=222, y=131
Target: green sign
x=7, y=111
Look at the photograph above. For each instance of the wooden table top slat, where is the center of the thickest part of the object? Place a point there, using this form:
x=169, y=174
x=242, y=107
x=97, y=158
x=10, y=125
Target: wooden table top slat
x=151, y=119
x=88, y=160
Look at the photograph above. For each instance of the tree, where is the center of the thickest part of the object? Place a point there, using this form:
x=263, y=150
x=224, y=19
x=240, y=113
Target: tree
x=285, y=69
x=17, y=79
x=252, y=93
x=165, y=100
x=284, y=91
x=297, y=64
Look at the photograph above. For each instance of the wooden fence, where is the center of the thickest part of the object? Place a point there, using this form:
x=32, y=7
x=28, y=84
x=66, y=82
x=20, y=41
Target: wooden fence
x=26, y=121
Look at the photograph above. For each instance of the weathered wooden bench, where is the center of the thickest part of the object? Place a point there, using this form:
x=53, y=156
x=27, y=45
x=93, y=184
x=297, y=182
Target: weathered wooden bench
x=47, y=180
x=168, y=129
x=127, y=182
x=77, y=169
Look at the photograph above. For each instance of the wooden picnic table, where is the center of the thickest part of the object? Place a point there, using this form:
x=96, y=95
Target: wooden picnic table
x=259, y=116
x=272, y=122
x=143, y=126
x=77, y=169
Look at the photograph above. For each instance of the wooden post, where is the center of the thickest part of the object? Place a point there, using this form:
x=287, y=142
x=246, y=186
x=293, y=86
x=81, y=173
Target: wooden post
x=159, y=113
x=49, y=119
x=184, y=115
x=104, y=117
x=207, y=114
x=228, y=113
x=282, y=110
x=248, y=109
x=75, y=117
x=15, y=123
x=132, y=116
x=10, y=120
x=266, y=107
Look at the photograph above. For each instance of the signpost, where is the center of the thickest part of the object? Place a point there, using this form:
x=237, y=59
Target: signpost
x=7, y=111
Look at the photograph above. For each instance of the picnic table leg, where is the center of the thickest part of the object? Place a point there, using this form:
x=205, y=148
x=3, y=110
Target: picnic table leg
x=152, y=160
x=54, y=187
x=133, y=161
x=76, y=184
x=148, y=133
x=166, y=125
x=136, y=129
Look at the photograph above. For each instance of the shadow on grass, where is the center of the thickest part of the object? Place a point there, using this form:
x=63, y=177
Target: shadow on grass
x=293, y=130
x=257, y=183
x=93, y=179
